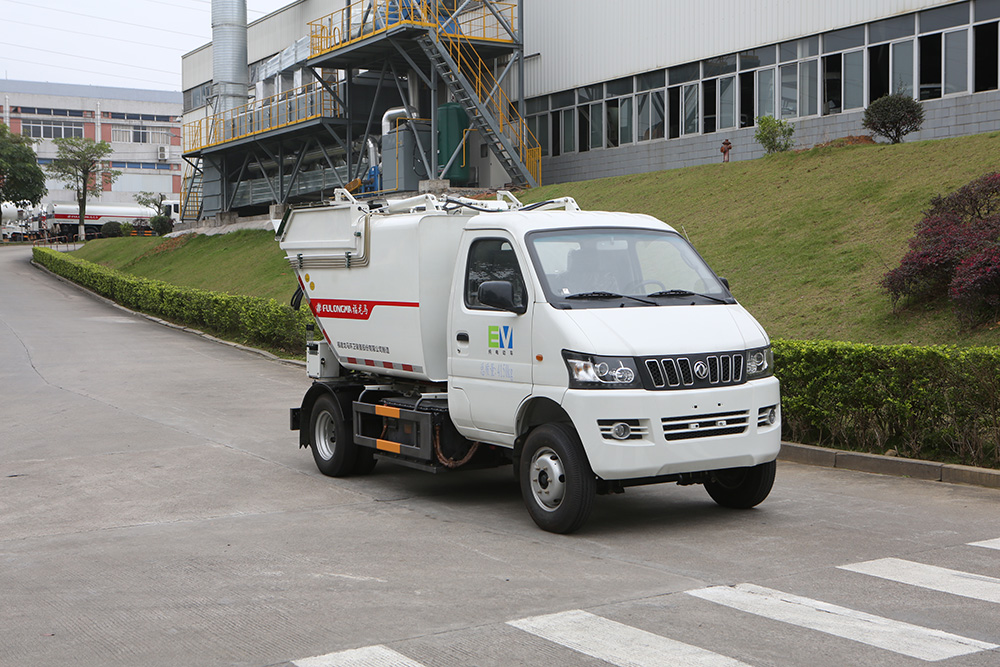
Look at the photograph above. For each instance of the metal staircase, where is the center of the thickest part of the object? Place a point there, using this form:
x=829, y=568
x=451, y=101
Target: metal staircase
x=490, y=111
x=191, y=198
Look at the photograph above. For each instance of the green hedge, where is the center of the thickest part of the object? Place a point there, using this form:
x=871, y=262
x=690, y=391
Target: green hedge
x=938, y=403
x=249, y=319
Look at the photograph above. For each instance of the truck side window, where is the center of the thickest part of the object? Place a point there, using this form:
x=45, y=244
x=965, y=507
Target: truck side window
x=492, y=259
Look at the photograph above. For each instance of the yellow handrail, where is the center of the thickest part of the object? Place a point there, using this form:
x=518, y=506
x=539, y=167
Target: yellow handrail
x=497, y=102
x=365, y=18
x=293, y=106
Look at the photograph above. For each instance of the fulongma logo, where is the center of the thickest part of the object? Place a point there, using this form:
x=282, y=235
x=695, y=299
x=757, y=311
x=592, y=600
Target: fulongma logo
x=501, y=338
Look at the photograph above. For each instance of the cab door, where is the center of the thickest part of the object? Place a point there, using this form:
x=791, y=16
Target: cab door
x=490, y=361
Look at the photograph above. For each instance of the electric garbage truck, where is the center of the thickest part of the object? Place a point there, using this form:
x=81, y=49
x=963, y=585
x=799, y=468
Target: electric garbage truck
x=592, y=350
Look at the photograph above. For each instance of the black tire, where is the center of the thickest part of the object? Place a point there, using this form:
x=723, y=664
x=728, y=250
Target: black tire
x=330, y=435
x=365, y=461
x=557, y=484
x=742, y=488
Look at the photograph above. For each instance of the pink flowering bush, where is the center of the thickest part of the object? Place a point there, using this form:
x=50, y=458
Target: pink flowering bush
x=955, y=253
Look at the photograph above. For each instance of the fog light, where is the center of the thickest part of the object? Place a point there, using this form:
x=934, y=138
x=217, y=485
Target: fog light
x=621, y=431
x=772, y=416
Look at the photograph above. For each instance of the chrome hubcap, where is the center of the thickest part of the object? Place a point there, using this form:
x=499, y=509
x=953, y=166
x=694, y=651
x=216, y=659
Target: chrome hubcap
x=548, y=479
x=325, y=436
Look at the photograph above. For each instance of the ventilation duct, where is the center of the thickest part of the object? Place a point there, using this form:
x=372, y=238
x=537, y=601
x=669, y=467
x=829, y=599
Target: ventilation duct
x=229, y=53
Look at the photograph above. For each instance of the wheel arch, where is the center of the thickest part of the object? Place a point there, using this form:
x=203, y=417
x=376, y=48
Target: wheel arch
x=535, y=412
x=343, y=395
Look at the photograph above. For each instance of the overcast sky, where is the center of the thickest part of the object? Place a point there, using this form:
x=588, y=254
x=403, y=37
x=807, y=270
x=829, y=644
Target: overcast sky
x=126, y=43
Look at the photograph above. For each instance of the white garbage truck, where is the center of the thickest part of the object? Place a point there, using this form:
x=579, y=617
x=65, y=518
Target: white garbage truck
x=592, y=350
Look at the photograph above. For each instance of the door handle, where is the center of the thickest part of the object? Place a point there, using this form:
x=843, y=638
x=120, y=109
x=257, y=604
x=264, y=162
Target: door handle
x=462, y=337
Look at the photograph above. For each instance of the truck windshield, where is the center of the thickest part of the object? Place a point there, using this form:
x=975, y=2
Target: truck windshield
x=614, y=267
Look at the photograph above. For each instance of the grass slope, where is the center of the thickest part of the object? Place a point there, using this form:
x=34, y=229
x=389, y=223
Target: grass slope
x=803, y=237
x=245, y=262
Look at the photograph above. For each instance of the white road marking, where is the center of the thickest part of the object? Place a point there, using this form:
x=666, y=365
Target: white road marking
x=989, y=544
x=617, y=643
x=369, y=656
x=975, y=586
x=903, y=638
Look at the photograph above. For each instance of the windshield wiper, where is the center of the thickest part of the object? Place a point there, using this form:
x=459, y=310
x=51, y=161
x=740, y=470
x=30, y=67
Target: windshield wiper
x=684, y=292
x=609, y=295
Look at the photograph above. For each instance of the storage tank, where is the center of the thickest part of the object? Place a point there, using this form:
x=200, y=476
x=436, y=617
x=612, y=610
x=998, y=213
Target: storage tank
x=402, y=168
x=452, y=123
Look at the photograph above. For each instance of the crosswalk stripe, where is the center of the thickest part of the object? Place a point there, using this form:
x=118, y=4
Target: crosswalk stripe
x=617, y=643
x=967, y=585
x=904, y=638
x=989, y=544
x=369, y=656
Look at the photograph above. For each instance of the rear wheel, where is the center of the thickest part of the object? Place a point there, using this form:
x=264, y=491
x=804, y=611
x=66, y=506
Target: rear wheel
x=557, y=483
x=742, y=488
x=332, y=445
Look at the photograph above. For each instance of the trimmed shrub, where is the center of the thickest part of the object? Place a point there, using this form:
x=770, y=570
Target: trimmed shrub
x=953, y=253
x=773, y=134
x=893, y=116
x=111, y=229
x=246, y=318
x=161, y=224
x=127, y=228
x=938, y=403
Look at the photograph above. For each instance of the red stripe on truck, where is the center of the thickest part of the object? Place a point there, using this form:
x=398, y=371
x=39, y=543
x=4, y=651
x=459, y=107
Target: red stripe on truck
x=351, y=309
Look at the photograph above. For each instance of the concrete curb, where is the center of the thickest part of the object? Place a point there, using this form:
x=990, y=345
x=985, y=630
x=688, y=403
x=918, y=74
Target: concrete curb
x=889, y=465
x=113, y=304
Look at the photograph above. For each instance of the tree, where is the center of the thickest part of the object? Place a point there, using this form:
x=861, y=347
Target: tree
x=153, y=200
x=21, y=179
x=80, y=164
x=893, y=116
x=773, y=134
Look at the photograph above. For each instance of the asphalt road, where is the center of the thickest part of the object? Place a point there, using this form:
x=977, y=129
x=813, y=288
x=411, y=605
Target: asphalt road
x=155, y=510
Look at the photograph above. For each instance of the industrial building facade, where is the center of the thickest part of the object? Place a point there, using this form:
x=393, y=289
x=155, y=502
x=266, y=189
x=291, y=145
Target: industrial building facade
x=142, y=126
x=594, y=88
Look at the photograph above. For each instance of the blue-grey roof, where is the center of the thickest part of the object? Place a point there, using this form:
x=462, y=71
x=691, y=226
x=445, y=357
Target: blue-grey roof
x=97, y=92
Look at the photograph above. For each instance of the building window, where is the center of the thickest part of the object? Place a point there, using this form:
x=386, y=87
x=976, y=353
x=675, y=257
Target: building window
x=902, y=67
x=51, y=129
x=140, y=134
x=984, y=39
x=651, y=116
x=789, y=91
x=765, y=92
x=943, y=64
x=690, y=110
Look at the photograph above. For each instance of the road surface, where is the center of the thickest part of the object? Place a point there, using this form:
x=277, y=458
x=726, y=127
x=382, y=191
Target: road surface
x=155, y=510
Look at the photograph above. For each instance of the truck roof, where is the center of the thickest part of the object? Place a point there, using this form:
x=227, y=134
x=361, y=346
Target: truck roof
x=522, y=222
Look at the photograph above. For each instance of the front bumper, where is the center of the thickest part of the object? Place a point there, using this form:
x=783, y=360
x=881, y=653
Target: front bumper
x=678, y=431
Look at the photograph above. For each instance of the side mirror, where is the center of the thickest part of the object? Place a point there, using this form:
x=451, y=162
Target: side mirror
x=499, y=294
x=725, y=282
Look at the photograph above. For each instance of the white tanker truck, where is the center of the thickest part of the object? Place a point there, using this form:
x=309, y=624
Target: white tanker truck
x=593, y=351
x=64, y=219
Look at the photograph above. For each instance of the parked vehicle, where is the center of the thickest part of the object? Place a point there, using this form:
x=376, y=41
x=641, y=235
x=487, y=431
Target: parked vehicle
x=592, y=350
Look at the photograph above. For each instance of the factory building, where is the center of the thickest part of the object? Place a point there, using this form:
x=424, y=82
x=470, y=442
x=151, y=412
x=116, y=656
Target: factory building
x=384, y=95
x=142, y=126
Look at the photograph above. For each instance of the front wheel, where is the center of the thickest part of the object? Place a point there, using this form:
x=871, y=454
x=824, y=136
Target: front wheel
x=332, y=445
x=742, y=488
x=557, y=483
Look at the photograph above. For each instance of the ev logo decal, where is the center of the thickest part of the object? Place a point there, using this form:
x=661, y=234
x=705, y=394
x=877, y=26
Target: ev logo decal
x=501, y=340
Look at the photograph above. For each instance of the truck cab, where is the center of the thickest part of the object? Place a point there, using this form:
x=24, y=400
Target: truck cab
x=593, y=351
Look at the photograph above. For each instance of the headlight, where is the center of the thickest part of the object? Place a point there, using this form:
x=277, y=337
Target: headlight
x=587, y=371
x=760, y=363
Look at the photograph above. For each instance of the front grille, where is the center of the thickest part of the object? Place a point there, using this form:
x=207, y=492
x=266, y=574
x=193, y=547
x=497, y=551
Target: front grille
x=693, y=371
x=705, y=426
